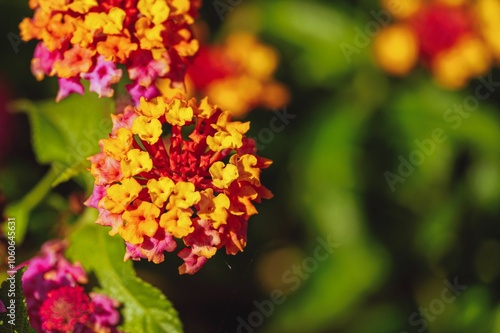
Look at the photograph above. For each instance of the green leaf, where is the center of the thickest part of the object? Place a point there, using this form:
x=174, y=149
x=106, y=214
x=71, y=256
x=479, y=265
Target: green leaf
x=436, y=233
x=66, y=173
x=17, y=320
x=66, y=133
x=419, y=109
x=21, y=209
x=146, y=309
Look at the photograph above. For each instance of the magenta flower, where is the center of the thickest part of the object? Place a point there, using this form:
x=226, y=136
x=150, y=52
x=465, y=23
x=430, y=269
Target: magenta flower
x=56, y=300
x=102, y=77
x=67, y=87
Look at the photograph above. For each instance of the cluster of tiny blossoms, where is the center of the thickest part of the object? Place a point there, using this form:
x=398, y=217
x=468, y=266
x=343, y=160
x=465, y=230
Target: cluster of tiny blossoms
x=56, y=300
x=177, y=169
x=236, y=75
x=87, y=39
x=457, y=40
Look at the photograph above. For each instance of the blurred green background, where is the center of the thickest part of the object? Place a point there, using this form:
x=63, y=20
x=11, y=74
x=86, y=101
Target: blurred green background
x=396, y=245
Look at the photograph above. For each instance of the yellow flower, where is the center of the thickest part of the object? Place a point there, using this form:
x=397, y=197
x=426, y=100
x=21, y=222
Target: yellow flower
x=155, y=10
x=111, y=23
x=149, y=34
x=183, y=196
x=148, y=129
x=76, y=60
x=116, y=48
x=49, y=5
x=177, y=222
x=51, y=29
x=119, y=196
x=118, y=146
x=256, y=58
x=83, y=35
x=180, y=6
x=152, y=109
x=178, y=113
x=139, y=222
x=402, y=9
x=229, y=134
x=247, y=168
x=396, y=49
x=223, y=175
x=237, y=93
x=488, y=12
x=188, y=46
x=214, y=209
x=242, y=75
x=137, y=161
x=160, y=190
x=82, y=6
x=206, y=110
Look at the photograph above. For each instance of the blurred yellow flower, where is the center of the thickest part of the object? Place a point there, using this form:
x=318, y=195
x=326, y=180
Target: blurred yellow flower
x=236, y=75
x=456, y=39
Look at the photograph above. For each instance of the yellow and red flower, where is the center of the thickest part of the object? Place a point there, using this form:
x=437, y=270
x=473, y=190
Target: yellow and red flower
x=196, y=181
x=236, y=75
x=87, y=39
x=457, y=40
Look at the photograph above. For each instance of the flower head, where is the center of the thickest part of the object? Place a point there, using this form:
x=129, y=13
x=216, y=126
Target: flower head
x=65, y=308
x=55, y=300
x=177, y=170
x=87, y=39
x=237, y=75
x=452, y=38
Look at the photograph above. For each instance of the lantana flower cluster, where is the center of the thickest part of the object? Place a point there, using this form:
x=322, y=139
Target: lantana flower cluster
x=457, y=40
x=55, y=297
x=177, y=170
x=237, y=75
x=88, y=39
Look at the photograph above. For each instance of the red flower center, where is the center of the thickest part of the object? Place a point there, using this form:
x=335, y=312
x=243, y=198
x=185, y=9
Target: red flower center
x=65, y=308
x=439, y=28
x=182, y=159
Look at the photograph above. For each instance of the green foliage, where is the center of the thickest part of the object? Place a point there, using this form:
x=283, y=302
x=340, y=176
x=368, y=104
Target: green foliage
x=66, y=131
x=21, y=210
x=419, y=109
x=64, y=134
x=9, y=292
x=145, y=308
x=327, y=191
